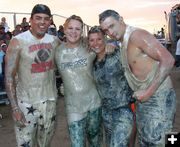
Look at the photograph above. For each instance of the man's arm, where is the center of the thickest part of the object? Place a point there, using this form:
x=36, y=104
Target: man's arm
x=153, y=48
x=11, y=67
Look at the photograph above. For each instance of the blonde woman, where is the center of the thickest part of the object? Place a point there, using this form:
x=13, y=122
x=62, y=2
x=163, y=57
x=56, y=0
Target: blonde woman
x=83, y=104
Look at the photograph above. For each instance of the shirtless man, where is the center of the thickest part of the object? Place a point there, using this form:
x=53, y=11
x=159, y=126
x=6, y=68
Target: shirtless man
x=147, y=65
x=30, y=81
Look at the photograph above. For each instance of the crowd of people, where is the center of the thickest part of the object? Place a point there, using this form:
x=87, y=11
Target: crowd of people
x=102, y=79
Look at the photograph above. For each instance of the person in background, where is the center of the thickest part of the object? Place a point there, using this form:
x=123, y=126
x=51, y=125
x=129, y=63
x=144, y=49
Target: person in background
x=17, y=30
x=60, y=33
x=2, y=67
x=24, y=24
x=2, y=33
x=4, y=47
x=30, y=81
x=178, y=53
x=83, y=104
x=147, y=65
x=4, y=24
x=8, y=37
x=52, y=28
x=113, y=89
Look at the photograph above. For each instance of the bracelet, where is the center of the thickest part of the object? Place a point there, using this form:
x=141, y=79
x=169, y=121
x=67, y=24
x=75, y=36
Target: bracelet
x=15, y=109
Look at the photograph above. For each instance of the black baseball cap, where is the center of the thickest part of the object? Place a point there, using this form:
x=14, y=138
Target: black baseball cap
x=41, y=8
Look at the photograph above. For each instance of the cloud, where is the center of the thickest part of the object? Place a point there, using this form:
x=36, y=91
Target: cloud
x=147, y=11
x=152, y=4
x=141, y=21
x=80, y=3
x=144, y=23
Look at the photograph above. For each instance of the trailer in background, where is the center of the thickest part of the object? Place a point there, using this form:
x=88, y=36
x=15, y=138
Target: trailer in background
x=172, y=28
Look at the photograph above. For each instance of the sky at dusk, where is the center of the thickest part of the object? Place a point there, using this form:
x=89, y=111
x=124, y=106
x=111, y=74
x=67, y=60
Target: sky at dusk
x=147, y=14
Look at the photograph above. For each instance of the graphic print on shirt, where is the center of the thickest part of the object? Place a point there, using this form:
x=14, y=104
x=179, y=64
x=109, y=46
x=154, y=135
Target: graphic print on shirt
x=42, y=61
x=74, y=64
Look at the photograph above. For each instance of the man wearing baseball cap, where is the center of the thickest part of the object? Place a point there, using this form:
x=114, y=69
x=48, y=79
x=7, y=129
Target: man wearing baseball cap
x=30, y=81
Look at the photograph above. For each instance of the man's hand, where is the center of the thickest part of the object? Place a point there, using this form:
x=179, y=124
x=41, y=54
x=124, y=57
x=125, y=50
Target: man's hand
x=141, y=95
x=109, y=48
x=18, y=117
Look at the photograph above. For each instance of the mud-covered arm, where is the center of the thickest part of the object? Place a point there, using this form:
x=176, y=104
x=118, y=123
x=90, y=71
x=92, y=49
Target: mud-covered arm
x=11, y=66
x=153, y=48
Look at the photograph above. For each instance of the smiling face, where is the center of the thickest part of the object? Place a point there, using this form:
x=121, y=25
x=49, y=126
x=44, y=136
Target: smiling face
x=113, y=28
x=73, y=31
x=97, y=42
x=39, y=24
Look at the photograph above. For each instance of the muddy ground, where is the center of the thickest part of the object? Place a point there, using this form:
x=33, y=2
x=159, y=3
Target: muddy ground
x=61, y=138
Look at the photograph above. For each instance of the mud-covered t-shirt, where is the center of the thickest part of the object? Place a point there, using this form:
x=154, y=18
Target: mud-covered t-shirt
x=111, y=82
x=75, y=67
x=35, y=77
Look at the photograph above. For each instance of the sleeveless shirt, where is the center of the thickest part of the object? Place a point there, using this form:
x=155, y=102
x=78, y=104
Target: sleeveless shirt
x=36, y=78
x=135, y=83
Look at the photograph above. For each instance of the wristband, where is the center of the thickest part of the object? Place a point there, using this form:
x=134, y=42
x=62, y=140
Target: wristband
x=15, y=109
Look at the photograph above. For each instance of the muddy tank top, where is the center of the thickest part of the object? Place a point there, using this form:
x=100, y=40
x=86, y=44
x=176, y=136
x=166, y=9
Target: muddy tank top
x=135, y=83
x=35, y=78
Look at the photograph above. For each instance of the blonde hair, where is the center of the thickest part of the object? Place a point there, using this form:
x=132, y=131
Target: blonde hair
x=74, y=17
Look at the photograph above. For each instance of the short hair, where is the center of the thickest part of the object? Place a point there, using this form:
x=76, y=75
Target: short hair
x=108, y=13
x=73, y=17
x=41, y=8
x=95, y=29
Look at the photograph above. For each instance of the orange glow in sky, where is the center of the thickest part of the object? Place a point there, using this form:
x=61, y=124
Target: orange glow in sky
x=147, y=14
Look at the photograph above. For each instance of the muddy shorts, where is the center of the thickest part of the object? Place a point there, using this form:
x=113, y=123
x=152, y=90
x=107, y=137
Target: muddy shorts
x=118, y=124
x=40, y=124
x=155, y=117
x=88, y=127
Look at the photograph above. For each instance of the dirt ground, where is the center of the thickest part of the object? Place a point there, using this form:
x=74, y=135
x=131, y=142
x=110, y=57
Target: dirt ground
x=61, y=138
